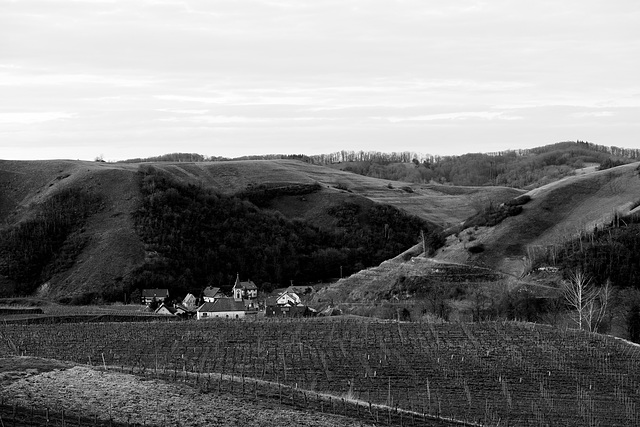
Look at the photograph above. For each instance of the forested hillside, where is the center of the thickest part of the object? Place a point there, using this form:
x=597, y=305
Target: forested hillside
x=47, y=243
x=197, y=237
x=520, y=169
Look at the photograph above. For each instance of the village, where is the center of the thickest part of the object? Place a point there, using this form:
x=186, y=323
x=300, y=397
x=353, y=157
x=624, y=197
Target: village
x=244, y=303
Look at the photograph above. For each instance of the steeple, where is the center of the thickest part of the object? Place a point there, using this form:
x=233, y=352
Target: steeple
x=237, y=289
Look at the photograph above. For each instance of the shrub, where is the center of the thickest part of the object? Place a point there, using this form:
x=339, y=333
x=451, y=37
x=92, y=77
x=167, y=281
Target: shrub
x=476, y=249
x=519, y=201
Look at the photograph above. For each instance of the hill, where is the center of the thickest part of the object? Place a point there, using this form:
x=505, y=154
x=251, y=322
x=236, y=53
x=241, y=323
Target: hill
x=509, y=241
x=72, y=222
x=555, y=213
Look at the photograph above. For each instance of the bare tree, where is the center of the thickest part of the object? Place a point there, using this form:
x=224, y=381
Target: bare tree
x=579, y=294
x=597, y=309
x=589, y=304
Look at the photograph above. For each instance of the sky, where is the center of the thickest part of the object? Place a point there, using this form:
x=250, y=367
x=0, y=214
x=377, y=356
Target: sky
x=124, y=79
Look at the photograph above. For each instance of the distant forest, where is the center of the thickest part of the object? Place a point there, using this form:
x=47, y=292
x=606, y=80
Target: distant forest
x=528, y=168
x=196, y=237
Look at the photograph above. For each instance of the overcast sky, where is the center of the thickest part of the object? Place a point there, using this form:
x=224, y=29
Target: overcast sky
x=138, y=78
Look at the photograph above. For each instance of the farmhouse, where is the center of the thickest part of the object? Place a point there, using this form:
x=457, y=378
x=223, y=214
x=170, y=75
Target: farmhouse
x=166, y=309
x=189, y=301
x=226, y=308
x=288, y=299
x=150, y=295
x=286, y=304
x=210, y=294
x=176, y=310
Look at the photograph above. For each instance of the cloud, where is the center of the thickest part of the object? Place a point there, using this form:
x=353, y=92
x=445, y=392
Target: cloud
x=34, y=117
x=63, y=79
x=593, y=114
x=168, y=110
x=483, y=115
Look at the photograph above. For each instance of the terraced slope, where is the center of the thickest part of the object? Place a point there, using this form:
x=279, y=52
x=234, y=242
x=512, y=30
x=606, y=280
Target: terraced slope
x=384, y=282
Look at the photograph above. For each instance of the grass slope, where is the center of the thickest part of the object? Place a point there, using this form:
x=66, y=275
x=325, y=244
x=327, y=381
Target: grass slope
x=557, y=211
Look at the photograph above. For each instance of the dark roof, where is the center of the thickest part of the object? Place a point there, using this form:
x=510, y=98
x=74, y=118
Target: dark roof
x=183, y=308
x=210, y=291
x=166, y=307
x=150, y=293
x=222, y=304
x=244, y=285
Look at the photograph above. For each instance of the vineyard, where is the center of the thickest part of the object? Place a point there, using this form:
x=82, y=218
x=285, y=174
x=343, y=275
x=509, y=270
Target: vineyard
x=497, y=373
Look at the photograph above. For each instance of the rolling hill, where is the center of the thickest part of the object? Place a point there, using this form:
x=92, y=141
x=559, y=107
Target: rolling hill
x=102, y=247
x=553, y=215
x=556, y=212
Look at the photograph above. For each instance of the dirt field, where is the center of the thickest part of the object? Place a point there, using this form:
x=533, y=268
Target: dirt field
x=126, y=398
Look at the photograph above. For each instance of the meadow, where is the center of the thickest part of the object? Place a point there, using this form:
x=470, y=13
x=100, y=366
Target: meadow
x=492, y=373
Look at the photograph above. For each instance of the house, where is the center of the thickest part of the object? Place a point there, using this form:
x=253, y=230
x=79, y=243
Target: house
x=244, y=290
x=183, y=311
x=226, y=308
x=150, y=295
x=210, y=294
x=176, y=310
x=287, y=304
x=190, y=301
x=288, y=299
x=166, y=310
